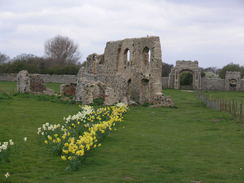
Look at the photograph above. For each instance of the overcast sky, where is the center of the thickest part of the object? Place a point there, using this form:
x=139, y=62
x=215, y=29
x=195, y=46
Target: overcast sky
x=210, y=31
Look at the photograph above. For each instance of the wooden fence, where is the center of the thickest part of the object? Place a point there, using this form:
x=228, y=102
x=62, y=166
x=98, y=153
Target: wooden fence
x=233, y=106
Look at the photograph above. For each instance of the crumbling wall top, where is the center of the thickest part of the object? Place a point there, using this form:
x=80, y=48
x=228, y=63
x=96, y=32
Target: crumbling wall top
x=187, y=64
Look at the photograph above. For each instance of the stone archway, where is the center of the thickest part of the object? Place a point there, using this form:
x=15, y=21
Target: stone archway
x=182, y=66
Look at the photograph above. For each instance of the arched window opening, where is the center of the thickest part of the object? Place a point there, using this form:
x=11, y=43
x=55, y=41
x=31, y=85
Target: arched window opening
x=127, y=56
x=147, y=55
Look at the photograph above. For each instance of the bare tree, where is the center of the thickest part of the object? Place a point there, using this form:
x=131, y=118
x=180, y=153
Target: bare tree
x=62, y=50
x=3, y=58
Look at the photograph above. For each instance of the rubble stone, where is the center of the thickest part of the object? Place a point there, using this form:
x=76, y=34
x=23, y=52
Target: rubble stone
x=36, y=83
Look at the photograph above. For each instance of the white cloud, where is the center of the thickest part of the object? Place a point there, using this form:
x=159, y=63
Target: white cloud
x=211, y=34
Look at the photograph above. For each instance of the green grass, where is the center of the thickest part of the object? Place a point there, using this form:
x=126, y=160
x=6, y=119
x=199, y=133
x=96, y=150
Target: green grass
x=53, y=86
x=7, y=87
x=226, y=94
x=157, y=145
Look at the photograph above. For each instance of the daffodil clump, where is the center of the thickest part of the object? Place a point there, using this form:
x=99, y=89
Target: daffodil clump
x=82, y=132
x=5, y=150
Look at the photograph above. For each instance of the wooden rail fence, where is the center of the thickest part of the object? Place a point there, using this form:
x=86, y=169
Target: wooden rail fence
x=233, y=106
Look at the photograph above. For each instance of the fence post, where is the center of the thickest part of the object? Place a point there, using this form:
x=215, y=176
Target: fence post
x=241, y=112
x=234, y=108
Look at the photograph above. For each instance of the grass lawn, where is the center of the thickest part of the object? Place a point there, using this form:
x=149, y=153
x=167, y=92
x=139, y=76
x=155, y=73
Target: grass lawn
x=157, y=145
x=227, y=95
x=7, y=87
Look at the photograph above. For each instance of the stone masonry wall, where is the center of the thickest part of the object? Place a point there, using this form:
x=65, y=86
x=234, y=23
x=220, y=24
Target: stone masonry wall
x=47, y=78
x=206, y=84
x=232, y=81
x=213, y=84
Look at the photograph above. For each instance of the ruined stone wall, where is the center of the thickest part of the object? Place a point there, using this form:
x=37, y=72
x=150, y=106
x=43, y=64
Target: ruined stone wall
x=31, y=83
x=213, y=84
x=46, y=77
x=132, y=67
x=232, y=81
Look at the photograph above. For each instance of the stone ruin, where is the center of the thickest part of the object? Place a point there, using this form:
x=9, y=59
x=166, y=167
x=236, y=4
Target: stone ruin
x=129, y=71
x=31, y=83
x=181, y=67
x=232, y=81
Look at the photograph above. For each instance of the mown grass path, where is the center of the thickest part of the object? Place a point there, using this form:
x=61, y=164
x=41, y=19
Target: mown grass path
x=157, y=145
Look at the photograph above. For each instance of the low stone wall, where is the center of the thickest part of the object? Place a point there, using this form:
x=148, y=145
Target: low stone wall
x=46, y=77
x=165, y=81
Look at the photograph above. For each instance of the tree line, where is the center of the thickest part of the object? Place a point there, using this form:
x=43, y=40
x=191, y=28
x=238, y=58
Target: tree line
x=61, y=57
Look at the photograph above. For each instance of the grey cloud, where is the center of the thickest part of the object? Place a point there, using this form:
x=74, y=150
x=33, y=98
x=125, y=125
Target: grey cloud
x=199, y=30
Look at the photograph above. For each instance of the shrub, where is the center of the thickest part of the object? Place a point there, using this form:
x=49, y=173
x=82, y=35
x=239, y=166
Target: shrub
x=231, y=67
x=186, y=78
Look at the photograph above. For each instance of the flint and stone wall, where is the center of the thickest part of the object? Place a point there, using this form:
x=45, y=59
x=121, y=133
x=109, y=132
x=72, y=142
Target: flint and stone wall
x=206, y=84
x=213, y=84
x=47, y=78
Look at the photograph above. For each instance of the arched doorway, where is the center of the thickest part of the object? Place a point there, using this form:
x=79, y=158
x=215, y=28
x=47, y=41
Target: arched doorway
x=186, y=80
